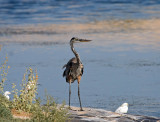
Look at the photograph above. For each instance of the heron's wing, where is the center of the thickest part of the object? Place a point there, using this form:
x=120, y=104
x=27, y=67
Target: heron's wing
x=69, y=66
x=64, y=66
x=72, y=68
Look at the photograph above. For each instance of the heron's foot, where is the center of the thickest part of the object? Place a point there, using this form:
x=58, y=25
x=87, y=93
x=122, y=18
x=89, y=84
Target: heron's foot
x=81, y=109
x=73, y=109
x=69, y=108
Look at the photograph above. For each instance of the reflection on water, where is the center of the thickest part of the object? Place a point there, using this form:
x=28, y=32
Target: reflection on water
x=121, y=64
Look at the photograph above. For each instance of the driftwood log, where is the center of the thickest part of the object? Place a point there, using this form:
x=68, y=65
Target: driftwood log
x=100, y=115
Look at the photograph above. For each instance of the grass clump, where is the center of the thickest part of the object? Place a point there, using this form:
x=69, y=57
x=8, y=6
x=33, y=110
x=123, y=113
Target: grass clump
x=3, y=74
x=25, y=103
x=27, y=97
x=50, y=112
x=5, y=108
x=5, y=104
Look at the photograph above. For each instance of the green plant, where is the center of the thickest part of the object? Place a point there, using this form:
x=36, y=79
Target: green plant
x=24, y=101
x=4, y=71
x=4, y=101
x=50, y=112
x=4, y=108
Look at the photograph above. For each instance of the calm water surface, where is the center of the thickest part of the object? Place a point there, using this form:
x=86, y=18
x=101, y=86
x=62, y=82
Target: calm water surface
x=59, y=11
x=121, y=64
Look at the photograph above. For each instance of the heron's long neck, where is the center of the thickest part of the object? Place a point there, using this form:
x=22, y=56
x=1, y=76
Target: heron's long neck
x=75, y=53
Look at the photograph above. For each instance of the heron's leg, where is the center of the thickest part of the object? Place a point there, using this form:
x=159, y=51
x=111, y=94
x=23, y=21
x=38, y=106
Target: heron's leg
x=79, y=78
x=69, y=94
x=79, y=98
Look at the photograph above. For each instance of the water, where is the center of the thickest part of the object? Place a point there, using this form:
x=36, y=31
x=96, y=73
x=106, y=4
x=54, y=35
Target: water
x=59, y=11
x=121, y=64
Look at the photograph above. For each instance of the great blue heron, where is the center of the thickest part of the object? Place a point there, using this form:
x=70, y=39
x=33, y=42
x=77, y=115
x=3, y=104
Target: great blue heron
x=74, y=68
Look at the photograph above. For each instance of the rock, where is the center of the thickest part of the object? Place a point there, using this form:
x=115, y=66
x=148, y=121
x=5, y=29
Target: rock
x=100, y=115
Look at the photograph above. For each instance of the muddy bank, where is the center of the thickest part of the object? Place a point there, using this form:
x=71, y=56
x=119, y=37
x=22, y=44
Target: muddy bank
x=100, y=115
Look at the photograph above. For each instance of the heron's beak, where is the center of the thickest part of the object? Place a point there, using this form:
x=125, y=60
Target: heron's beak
x=84, y=40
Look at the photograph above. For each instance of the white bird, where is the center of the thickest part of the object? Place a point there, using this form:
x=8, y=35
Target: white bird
x=122, y=109
x=6, y=94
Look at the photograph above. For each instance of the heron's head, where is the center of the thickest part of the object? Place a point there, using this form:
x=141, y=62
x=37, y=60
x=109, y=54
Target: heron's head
x=75, y=39
x=125, y=104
